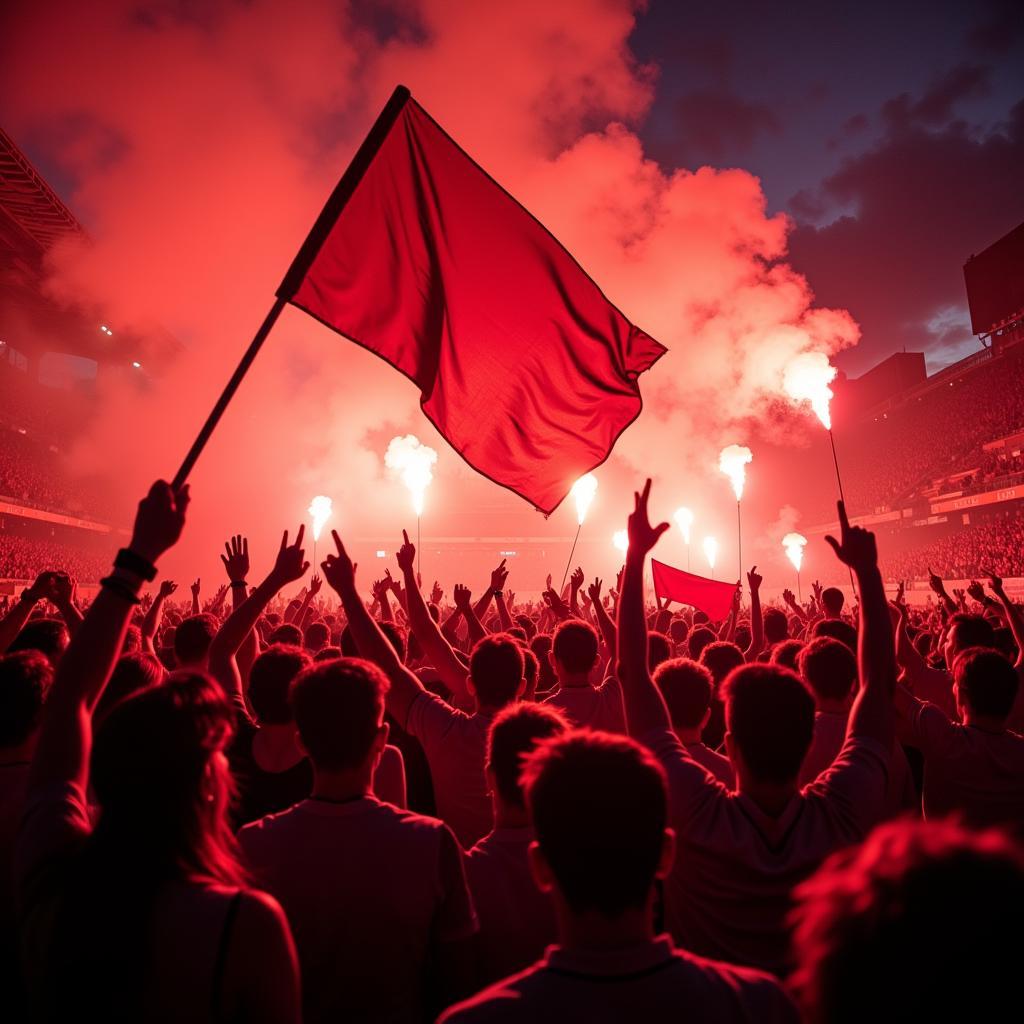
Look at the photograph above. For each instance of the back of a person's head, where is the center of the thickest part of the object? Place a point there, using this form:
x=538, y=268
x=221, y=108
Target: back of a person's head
x=25, y=678
x=769, y=715
x=832, y=600
x=338, y=708
x=829, y=668
x=914, y=924
x=327, y=654
x=287, y=633
x=776, y=625
x=659, y=649
x=985, y=681
x=496, y=670
x=316, y=637
x=720, y=657
x=574, y=646
x=270, y=680
x=531, y=669
x=678, y=630
x=132, y=674
x=48, y=636
x=700, y=618
x=970, y=631
x=540, y=644
x=599, y=807
x=742, y=635
x=193, y=637
x=837, y=629
x=687, y=687
x=514, y=733
x=787, y=653
x=699, y=638
x=397, y=638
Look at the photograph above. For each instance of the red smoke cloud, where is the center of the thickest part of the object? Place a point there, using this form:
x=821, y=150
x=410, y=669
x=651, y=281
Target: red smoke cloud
x=204, y=141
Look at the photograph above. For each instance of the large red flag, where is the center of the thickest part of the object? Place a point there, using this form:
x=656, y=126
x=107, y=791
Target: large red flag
x=709, y=596
x=524, y=367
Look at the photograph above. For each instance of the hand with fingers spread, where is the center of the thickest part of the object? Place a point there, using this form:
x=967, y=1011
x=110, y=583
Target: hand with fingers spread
x=462, y=596
x=236, y=558
x=436, y=593
x=576, y=579
x=995, y=584
x=380, y=588
x=498, y=577
x=406, y=554
x=290, y=564
x=642, y=535
x=314, y=585
x=594, y=591
x=856, y=546
x=977, y=591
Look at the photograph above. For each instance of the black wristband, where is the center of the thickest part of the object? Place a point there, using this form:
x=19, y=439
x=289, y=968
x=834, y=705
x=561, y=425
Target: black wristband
x=129, y=560
x=238, y=583
x=119, y=587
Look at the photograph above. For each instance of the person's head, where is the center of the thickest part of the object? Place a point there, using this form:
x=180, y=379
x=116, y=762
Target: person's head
x=741, y=635
x=132, y=674
x=698, y=639
x=48, y=636
x=162, y=781
x=573, y=649
x=599, y=807
x=531, y=671
x=316, y=637
x=720, y=657
x=912, y=924
x=270, y=680
x=25, y=678
x=327, y=654
x=984, y=684
x=528, y=625
x=514, y=733
x=687, y=687
x=832, y=600
x=776, y=626
x=496, y=671
x=338, y=708
x=678, y=630
x=192, y=640
x=966, y=631
x=541, y=647
x=132, y=640
x=659, y=649
x=837, y=629
x=287, y=633
x=769, y=719
x=787, y=653
x=830, y=669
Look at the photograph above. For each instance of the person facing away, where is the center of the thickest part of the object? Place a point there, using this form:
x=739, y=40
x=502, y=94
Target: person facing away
x=146, y=914
x=742, y=852
x=517, y=921
x=688, y=687
x=376, y=896
x=599, y=807
x=574, y=656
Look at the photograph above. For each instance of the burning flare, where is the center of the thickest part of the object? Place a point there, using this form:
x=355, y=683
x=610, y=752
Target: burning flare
x=621, y=540
x=710, y=550
x=413, y=464
x=732, y=462
x=583, y=491
x=794, y=545
x=807, y=379
x=320, y=509
x=684, y=520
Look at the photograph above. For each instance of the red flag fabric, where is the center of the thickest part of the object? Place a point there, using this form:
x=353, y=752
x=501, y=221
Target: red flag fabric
x=523, y=365
x=710, y=596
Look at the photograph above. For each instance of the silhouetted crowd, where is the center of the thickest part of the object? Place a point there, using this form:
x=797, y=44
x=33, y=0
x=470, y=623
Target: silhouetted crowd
x=379, y=800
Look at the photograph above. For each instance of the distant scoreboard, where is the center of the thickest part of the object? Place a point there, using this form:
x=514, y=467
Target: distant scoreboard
x=995, y=283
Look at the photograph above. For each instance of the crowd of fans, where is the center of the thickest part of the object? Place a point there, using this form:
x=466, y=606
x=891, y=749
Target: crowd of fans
x=378, y=801
x=23, y=558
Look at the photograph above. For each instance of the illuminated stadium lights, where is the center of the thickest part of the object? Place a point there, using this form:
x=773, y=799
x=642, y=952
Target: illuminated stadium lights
x=382, y=554
x=106, y=330
x=138, y=366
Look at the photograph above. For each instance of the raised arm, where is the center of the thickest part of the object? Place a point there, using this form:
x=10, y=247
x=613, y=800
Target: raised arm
x=236, y=565
x=151, y=623
x=1014, y=619
x=452, y=671
x=939, y=588
x=872, y=713
x=790, y=598
x=756, y=617
x=62, y=594
x=604, y=621
x=463, y=601
x=21, y=610
x=65, y=738
x=370, y=639
x=645, y=709
x=195, y=597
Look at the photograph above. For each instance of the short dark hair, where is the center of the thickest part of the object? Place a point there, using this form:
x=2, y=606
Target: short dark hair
x=193, y=637
x=514, y=733
x=327, y=654
x=338, y=707
x=678, y=630
x=132, y=674
x=832, y=600
x=287, y=633
x=971, y=631
x=776, y=625
x=698, y=639
x=599, y=805
x=574, y=645
x=769, y=713
x=687, y=687
x=720, y=657
x=829, y=668
x=787, y=652
x=659, y=649
x=986, y=680
x=48, y=636
x=496, y=668
x=888, y=922
x=270, y=680
x=25, y=678
x=317, y=636
x=837, y=629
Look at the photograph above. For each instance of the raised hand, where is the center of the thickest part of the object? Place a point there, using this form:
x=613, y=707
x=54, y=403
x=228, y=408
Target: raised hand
x=754, y=580
x=498, y=576
x=789, y=597
x=643, y=536
x=977, y=591
x=236, y=558
x=816, y=589
x=315, y=584
x=935, y=582
x=62, y=588
x=195, y=589
x=380, y=588
x=290, y=564
x=594, y=591
x=901, y=592
x=856, y=546
x=995, y=583
x=436, y=593
x=159, y=520
x=167, y=587
x=576, y=579
x=462, y=596
x=339, y=570
x=406, y=554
